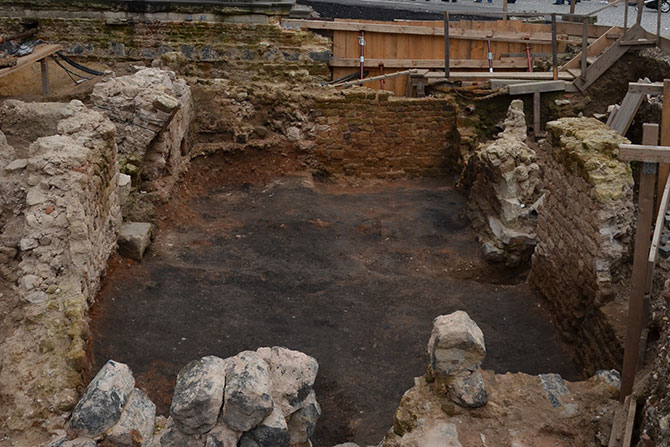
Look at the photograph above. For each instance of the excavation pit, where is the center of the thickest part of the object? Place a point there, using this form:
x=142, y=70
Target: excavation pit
x=352, y=276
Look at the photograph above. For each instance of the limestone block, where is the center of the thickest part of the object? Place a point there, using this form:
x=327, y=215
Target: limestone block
x=456, y=344
x=248, y=399
x=198, y=395
x=134, y=239
x=292, y=373
x=102, y=403
x=272, y=432
x=136, y=424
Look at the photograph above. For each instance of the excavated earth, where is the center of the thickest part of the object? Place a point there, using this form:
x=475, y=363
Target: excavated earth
x=350, y=274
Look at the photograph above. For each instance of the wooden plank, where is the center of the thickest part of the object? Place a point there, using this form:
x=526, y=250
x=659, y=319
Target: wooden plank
x=576, y=72
x=630, y=421
x=536, y=114
x=39, y=53
x=374, y=78
x=639, y=42
x=536, y=87
x=427, y=63
x=664, y=167
x=627, y=111
x=656, y=239
x=594, y=49
x=636, y=301
x=44, y=68
x=644, y=153
x=618, y=424
x=607, y=59
x=536, y=75
x=613, y=113
x=454, y=32
x=654, y=88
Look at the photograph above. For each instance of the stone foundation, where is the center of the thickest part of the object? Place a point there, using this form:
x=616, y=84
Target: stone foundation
x=584, y=233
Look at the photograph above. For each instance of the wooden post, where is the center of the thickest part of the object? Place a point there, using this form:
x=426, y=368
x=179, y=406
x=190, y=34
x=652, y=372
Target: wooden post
x=625, y=16
x=554, y=47
x=641, y=253
x=45, y=77
x=505, y=9
x=585, y=46
x=640, y=7
x=664, y=168
x=446, y=44
x=572, y=9
x=536, y=115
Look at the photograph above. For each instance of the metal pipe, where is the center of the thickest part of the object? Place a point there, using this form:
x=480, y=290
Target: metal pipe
x=490, y=57
x=381, y=73
x=585, y=46
x=625, y=17
x=658, y=23
x=530, y=64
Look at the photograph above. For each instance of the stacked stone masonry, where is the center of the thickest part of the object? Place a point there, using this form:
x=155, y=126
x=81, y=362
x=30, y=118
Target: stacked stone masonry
x=583, y=233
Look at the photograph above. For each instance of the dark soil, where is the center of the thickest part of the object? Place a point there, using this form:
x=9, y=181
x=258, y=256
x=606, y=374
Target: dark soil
x=350, y=275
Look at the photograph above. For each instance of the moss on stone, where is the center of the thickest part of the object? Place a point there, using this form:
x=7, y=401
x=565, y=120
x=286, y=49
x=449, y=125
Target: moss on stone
x=589, y=148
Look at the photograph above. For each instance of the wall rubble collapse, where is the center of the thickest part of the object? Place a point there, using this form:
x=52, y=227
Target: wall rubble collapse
x=584, y=232
x=261, y=398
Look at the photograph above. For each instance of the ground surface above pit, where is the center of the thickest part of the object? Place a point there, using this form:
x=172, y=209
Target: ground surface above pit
x=353, y=277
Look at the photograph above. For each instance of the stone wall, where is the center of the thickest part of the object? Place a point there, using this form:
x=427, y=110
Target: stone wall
x=584, y=233
x=59, y=215
x=219, y=50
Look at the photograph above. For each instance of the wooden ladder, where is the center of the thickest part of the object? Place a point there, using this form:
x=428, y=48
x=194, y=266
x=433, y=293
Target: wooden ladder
x=573, y=66
x=603, y=59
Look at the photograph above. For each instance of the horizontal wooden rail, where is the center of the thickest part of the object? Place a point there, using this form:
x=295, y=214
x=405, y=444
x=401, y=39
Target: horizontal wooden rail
x=644, y=153
x=375, y=78
x=536, y=75
x=428, y=63
x=454, y=31
x=654, y=88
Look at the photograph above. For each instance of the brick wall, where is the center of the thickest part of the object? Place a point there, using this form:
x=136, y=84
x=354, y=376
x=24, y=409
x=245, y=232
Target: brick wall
x=583, y=235
x=368, y=134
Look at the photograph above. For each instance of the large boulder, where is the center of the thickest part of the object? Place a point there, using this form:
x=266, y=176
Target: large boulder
x=136, y=424
x=198, y=395
x=102, y=403
x=248, y=398
x=293, y=374
x=456, y=344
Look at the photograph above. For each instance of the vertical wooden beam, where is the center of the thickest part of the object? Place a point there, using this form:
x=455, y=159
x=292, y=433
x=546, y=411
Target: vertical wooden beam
x=554, y=47
x=45, y=76
x=640, y=7
x=572, y=9
x=505, y=9
x=585, y=46
x=641, y=253
x=446, y=45
x=536, y=114
x=664, y=168
x=625, y=16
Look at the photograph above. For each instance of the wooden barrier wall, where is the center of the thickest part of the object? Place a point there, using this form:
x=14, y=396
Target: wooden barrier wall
x=427, y=51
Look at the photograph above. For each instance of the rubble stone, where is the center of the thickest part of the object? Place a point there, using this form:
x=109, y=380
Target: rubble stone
x=302, y=423
x=102, y=403
x=456, y=344
x=248, y=399
x=469, y=390
x=136, y=424
x=134, y=239
x=271, y=432
x=222, y=436
x=292, y=374
x=505, y=192
x=198, y=395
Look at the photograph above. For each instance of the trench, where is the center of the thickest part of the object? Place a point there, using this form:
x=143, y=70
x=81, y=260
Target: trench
x=247, y=256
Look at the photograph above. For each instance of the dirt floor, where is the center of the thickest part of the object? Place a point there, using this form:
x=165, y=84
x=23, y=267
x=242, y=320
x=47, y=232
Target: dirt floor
x=352, y=275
